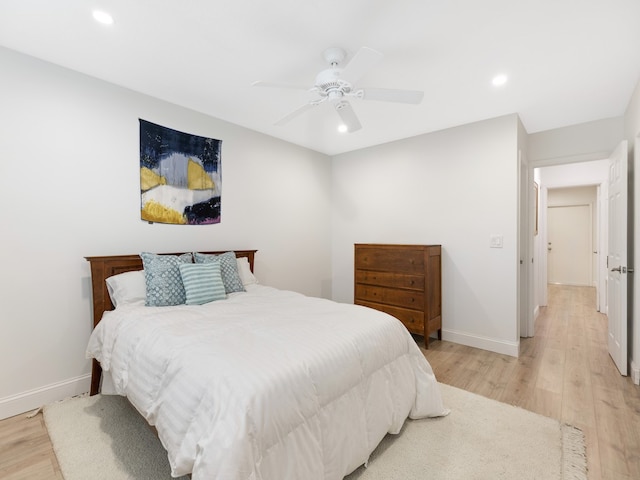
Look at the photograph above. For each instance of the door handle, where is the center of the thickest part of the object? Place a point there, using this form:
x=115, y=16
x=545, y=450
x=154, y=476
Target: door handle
x=617, y=269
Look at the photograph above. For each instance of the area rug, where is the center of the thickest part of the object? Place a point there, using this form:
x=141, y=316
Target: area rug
x=103, y=437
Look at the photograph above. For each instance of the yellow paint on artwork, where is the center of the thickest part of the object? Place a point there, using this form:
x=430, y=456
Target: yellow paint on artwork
x=197, y=178
x=149, y=179
x=155, y=212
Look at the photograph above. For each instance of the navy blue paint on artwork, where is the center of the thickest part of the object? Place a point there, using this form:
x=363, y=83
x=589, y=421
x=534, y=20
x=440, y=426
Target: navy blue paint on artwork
x=203, y=212
x=158, y=142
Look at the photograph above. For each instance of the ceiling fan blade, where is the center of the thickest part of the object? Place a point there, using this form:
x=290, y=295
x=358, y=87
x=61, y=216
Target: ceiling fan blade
x=361, y=63
x=261, y=83
x=348, y=116
x=391, y=95
x=299, y=111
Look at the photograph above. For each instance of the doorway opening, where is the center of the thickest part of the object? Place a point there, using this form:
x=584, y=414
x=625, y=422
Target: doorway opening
x=607, y=269
x=571, y=195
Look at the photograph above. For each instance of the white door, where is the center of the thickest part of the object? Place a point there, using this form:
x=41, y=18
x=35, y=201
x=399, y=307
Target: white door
x=569, y=245
x=617, y=257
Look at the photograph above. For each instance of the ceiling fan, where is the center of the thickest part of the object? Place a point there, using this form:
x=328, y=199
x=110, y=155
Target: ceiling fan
x=337, y=84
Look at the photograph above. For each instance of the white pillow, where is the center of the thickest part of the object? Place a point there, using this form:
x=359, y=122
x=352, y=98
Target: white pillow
x=127, y=288
x=244, y=270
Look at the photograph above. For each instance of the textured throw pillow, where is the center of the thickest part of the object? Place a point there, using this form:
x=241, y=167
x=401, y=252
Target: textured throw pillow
x=228, y=269
x=163, y=280
x=127, y=288
x=202, y=282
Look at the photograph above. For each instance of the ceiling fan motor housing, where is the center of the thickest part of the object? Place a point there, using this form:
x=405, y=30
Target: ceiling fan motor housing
x=329, y=84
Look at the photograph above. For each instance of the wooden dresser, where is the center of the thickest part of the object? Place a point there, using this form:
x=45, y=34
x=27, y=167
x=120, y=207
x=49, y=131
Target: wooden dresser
x=403, y=281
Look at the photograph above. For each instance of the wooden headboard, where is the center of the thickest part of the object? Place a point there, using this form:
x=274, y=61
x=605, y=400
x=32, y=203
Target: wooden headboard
x=105, y=267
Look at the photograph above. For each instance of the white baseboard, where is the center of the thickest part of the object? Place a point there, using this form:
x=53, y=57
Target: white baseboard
x=36, y=398
x=485, y=343
x=635, y=373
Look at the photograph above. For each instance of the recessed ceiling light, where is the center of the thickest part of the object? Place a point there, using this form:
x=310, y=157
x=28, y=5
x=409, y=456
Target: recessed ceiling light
x=499, y=80
x=342, y=128
x=102, y=17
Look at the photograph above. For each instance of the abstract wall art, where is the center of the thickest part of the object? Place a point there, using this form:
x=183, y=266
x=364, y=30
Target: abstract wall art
x=180, y=176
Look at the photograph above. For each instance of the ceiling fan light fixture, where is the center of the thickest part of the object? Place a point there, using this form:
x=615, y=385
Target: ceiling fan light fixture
x=342, y=128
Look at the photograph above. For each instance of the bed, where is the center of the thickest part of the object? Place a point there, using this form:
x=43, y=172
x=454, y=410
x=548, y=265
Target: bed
x=262, y=384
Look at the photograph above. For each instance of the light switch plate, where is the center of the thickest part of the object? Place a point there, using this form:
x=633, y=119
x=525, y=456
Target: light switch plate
x=495, y=241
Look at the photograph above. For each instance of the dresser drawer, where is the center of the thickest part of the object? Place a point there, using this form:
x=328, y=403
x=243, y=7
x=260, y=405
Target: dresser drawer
x=386, y=279
x=412, y=319
x=392, y=296
x=390, y=260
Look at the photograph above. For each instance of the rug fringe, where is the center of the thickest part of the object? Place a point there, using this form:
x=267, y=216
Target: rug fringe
x=574, y=453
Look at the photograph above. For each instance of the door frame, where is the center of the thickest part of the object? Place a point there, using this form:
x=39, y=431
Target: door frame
x=536, y=289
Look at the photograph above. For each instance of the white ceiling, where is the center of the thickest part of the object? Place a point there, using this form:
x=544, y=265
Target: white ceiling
x=568, y=61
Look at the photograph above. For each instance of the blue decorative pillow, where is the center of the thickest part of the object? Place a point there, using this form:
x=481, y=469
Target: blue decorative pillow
x=228, y=269
x=163, y=280
x=202, y=282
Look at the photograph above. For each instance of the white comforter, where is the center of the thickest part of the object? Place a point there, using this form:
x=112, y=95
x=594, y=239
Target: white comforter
x=267, y=384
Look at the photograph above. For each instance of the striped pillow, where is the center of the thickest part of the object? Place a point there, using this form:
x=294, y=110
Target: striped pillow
x=202, y=282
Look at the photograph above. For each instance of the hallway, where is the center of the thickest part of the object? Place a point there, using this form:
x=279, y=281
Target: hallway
x=564, y=372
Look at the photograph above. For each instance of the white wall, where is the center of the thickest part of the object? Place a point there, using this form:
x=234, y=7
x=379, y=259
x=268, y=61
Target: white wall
x=575, y=174
x=573, y=196
x=576, y=143
x=455, y=187
x=69, y=188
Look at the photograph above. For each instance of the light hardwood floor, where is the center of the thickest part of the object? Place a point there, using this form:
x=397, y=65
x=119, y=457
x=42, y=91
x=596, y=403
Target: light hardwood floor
x=564, y=372
x=25, y=450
